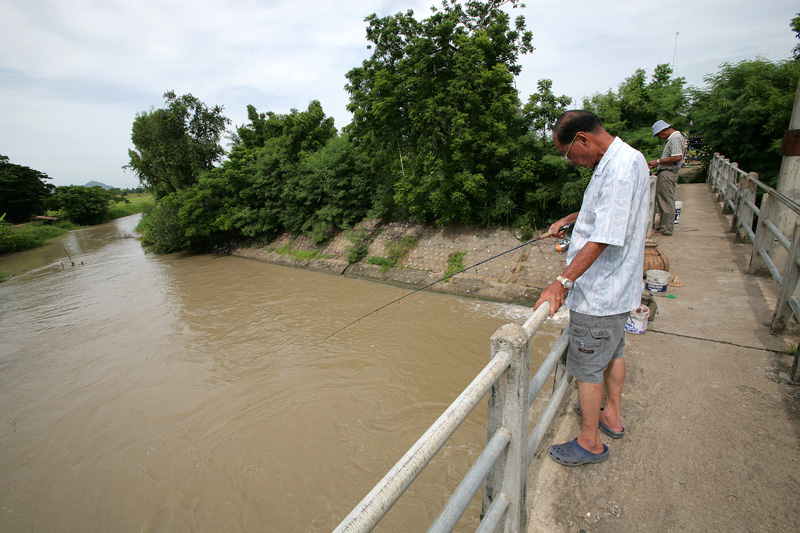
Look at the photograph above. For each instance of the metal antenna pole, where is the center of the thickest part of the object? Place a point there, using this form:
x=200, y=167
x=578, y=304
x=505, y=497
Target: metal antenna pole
x=675, y=51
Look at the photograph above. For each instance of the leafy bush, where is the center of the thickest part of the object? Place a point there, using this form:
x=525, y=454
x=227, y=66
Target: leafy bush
x=83, y=205
x=358, y=251
x=161, y=227
x=395, y=252
x=455, y=263
x=398, y=250
x=384, y=262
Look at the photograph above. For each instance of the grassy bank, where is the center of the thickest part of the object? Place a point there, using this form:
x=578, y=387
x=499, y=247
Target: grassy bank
x=17, y=239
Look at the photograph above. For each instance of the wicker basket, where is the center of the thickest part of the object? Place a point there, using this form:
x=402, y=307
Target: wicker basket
x=653, y=259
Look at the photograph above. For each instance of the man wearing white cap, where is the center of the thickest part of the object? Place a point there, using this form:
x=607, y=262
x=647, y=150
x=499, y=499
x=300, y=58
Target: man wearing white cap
x=668, y=164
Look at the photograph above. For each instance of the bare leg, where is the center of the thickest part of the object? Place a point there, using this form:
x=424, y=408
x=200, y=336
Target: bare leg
x=590, y=396
x=614, y=379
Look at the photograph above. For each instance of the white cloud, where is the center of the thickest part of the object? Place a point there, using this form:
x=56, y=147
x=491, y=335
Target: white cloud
x=74, y=74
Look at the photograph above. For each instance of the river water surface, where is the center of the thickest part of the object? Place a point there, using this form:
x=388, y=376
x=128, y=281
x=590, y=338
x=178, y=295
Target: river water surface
x=198, y=392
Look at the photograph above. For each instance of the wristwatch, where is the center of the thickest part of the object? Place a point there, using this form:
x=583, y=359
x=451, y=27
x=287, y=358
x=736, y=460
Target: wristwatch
x=567, y=283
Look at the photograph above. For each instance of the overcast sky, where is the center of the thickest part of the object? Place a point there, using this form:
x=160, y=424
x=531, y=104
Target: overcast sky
x=74, y=73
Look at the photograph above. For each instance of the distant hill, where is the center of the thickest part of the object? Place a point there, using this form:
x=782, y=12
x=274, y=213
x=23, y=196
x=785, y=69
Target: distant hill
x=98, y=184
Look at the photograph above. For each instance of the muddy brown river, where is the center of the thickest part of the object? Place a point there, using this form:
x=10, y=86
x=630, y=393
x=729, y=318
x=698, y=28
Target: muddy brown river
x=198, y=392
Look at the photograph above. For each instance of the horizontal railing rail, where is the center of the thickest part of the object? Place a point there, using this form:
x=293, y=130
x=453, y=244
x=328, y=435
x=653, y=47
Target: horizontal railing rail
x=501, y=468
x=771, y=226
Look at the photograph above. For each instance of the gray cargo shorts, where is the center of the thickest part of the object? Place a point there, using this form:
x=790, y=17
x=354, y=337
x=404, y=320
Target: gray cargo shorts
x=593, y=342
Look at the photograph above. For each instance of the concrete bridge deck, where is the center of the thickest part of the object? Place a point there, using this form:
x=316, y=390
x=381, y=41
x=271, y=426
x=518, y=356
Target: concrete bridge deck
x=713, y=424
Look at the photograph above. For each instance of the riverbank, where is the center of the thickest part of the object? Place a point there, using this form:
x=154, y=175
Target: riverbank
x=516, y=277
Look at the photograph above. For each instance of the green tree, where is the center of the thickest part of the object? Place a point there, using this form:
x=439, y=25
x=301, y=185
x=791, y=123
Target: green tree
x=795, y=25
x=544, y=108
x=638, y=103
x=23, y=191
x=744, y=111
x=83, y=205
x=286, y=172
x=174, y=145
x=436, y=108
x=332, y=190
x=277, y=196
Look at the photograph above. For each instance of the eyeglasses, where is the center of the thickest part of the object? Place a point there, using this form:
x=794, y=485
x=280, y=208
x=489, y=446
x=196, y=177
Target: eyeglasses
x=566, y=154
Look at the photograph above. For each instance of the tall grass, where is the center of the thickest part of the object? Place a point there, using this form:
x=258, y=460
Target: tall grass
x=30, y=235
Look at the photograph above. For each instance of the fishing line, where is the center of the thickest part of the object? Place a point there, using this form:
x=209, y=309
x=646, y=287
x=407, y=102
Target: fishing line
x=548, y=234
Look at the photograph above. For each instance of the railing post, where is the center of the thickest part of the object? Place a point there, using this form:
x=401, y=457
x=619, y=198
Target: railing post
x=508, y=410
x=730, y=186
x=713, y=166
x=791, y=275
x=743, y=216
x=763, y=239
x=723, y=178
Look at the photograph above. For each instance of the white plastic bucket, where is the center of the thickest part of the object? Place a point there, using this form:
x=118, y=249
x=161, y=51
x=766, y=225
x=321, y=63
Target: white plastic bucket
x=678, y=206
x=637, y=320
x=656, y=280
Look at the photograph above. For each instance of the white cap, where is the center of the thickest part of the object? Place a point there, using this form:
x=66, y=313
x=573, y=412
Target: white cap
x=659, y=127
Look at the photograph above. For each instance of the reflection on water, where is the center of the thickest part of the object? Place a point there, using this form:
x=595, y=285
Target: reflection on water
x=186, y=392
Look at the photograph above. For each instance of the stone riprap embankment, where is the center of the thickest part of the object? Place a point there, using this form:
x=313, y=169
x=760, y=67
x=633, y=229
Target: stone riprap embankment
x=517, y=277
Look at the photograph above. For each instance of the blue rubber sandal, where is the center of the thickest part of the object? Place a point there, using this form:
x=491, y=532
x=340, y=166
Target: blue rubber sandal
x=573, y=454
x=603, y=427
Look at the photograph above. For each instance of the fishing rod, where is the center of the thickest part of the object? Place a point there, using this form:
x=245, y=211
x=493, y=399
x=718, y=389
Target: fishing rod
x=564, y=228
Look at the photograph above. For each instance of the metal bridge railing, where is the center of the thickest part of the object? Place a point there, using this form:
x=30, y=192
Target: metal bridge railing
x=502, y=466
x=773, y=228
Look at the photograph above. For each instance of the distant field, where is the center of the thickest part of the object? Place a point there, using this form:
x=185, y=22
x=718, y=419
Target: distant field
x=138, y=198
x=137, y=203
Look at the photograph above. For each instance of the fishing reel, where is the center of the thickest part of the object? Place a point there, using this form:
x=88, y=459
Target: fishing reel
x=563, y=244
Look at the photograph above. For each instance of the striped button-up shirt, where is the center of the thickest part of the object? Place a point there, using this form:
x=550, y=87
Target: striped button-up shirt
x=615, y=210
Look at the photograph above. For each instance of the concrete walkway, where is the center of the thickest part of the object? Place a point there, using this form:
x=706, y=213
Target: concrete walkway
x=713, y=426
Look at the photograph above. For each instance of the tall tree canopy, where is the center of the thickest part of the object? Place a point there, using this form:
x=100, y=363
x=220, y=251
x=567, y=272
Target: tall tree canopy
x=23, y=191
x=286, y=173
x=632, y=110
x=436, y=107
x=174, y=145
x=544, y=108
x=744, y=111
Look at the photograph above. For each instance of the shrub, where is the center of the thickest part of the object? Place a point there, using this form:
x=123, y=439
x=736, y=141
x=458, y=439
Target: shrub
x=455, y=263
x=358, y=251
x=161, y=226
x=384, y=262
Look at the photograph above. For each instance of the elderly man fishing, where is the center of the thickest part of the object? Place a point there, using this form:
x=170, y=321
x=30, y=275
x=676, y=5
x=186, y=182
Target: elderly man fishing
x=602, y=282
